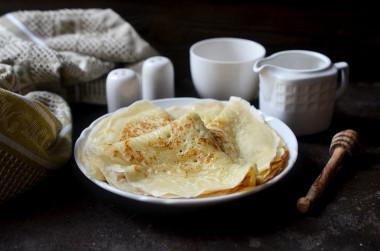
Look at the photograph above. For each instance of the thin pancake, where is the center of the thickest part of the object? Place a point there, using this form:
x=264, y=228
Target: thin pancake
x=180, y=160
x=206, y=110
x=242, y=133
x=139, y=118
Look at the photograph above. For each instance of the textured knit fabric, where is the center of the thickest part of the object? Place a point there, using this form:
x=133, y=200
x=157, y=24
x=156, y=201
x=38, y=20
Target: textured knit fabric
x=68, y=52
x=35, y=138
x=48, y=59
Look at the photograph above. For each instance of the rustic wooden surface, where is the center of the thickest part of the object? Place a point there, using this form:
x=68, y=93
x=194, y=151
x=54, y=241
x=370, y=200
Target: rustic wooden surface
x=67, y=212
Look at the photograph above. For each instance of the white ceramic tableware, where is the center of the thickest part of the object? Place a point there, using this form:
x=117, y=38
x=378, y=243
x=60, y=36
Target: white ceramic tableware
x=281, y=128
x=222, y=67
x=122, y=88
x=300, y=88
x=157, y=78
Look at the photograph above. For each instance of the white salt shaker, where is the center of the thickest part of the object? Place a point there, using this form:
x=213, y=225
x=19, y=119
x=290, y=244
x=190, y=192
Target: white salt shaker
x=122, y=88
x=157, y=78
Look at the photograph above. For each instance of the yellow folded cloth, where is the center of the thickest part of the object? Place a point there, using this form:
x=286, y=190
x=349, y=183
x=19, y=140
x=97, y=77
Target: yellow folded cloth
x=35, y=138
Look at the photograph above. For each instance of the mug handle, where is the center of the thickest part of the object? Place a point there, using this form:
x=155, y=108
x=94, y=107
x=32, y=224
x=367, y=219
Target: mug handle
x=343, y=68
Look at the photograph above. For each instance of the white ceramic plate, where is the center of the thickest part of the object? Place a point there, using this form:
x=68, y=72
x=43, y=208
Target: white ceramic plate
x=276, y=124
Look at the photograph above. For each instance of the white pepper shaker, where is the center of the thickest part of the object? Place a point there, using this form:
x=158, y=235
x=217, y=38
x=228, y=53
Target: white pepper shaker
x=157, y=78
x=122, y=88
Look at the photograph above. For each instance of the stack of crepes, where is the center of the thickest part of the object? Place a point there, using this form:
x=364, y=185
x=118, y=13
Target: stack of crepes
x=200, y=150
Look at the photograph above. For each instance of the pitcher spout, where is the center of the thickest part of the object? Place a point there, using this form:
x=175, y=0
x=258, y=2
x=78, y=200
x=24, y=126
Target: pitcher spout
x=260, y=65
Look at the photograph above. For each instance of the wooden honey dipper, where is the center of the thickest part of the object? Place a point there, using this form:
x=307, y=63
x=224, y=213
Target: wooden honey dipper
x=343, y=143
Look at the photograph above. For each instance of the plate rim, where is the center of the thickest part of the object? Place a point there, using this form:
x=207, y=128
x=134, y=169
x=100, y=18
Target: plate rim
x=190, y=202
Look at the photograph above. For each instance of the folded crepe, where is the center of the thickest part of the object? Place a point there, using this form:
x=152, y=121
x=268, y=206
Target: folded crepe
x=139, y=118
x=178, y=153
x=180, y=160
x=206, y=110
x=241, y=132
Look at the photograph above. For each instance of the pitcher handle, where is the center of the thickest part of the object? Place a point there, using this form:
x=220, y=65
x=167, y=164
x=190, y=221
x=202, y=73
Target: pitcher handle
x=342, y=67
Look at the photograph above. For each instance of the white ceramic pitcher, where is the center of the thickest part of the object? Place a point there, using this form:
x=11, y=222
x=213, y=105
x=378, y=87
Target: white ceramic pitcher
x=300, y=87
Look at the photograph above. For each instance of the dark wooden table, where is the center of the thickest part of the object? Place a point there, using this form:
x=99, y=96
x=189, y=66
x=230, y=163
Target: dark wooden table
x=66, y=211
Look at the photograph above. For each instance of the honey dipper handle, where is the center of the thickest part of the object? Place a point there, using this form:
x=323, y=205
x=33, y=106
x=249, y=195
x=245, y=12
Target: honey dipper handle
x=305, y=204
x=344, y=142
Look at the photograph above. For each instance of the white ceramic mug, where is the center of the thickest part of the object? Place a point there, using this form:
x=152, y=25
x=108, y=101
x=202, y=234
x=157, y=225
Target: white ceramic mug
x=222, y=67
x=300, y=88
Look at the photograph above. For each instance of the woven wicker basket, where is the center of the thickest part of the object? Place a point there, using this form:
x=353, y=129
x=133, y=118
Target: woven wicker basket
x=16, y=176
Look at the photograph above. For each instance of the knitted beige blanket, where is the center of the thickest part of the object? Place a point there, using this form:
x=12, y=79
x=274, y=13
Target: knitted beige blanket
x=47, y=59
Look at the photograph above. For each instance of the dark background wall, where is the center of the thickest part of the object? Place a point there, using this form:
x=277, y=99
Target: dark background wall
x=343, y=31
